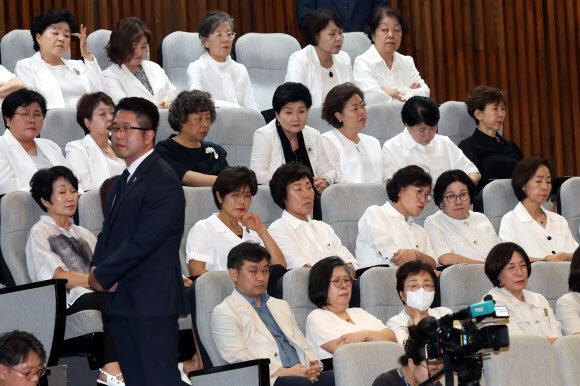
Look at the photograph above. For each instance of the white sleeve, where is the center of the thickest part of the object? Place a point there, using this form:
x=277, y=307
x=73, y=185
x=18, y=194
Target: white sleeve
x=288, y=243
x=24, y=71
x=568, y=314
x=333, y=154
x=115, y=85
x=460, y=161
x=570, y=243
x=249, y=101
x=325, y=168
x=507, y=231
x=320, y=329
x=96, y=77
x=389, y=168
x=200, y=246
x=365, y=78
x=416, y=78
x=401, y=329
x=9, y=182
x=440, y=243
x=296, y=72
x=555, y=326
x=379, y=238
x=261, y=157
x=40, y=259
x=5, y=75
x=194, y=81
x=169, y=90
x=80, y=164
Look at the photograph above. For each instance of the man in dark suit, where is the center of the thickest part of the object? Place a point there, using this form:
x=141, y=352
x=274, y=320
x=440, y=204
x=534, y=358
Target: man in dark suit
x=136, y=257
x=354, y=13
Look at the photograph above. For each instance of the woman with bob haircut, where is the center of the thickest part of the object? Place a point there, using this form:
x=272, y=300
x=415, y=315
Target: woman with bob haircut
x=59, y=249
x=381, y=72
x=333, y=324
x=131, y=75
x=419, y=144
x=215, y=71
x=508, y=267
x=61, y=81
x=321, y=65
x=356, y=157
x=92, y=158
x=387, y=234
x=568, y=306
x=210, y=240
x=458, y=234
x=303, y=241
x=543, y=234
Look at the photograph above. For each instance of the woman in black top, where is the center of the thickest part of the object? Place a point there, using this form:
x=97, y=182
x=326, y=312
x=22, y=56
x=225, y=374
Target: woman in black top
x=196, y=162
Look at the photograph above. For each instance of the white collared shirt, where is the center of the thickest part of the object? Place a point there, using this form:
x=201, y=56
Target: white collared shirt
x=440, y=155
x=307, y=242
x=568, y=313
x=131, y=168
x=519, y=227
x=5, y=77
x=400, y=323
x=210, y=241
x=382, y=231
x=473, y=237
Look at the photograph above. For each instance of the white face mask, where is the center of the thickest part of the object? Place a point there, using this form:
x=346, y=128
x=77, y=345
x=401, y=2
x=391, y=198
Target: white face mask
x=420, y=299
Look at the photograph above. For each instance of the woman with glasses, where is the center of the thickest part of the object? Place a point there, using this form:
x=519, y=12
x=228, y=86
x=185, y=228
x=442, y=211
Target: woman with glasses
x=458, y=234
x=22, y=153
x=416, y=287
x=131, y=75
x=508, y=267
x=333, y=324
x=92, y=158
x=387, y=234
x=215, y=71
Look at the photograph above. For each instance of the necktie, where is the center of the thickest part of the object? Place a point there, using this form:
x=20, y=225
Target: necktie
x=122, y=183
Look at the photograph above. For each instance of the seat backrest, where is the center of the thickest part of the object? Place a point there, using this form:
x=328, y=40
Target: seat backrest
x=498, y=199
x=462, y=285
x=384, y=121
x=378, y=293
x=570, y=204
x=362, y=363
x=61, y=127
x=179, y=50
x=265, y=207
x=16, y=45
x=429, y=209
x=550, y=279
x=315, y=120
x=295, y=292
x=355, y=44
x=567, y=350
x=529, y=360
x=455, y=122
x=211, y=289
x=266, y=59
x=90, y=211
x=344, y=204
x=97, y=41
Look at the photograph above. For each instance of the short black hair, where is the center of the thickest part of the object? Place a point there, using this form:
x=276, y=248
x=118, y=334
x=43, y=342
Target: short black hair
x=420, y=109
x=247, y=251
x=574, y=278
x=291, y=92
x=41, y=183
x=379, y=14
x=524, y=171
x=21, y=98
x=190, y=102
x=414, y=347
x=231, y=179
x=412, y=267
x=409, y=175
x=336, y=99
x=479, y=97
x=147, y=113
x=449, y=177
x=50, y=17
x=15, y=347
x=211, y=21
x=87, y=105
x=499, y=257
x=285, y=175
x=317, y=21
x=319, y=279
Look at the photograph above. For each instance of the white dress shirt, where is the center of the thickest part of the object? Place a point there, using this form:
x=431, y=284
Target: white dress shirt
x=360, y=162
x=5, y=77
x=519, y=227
x=440, y=155
x=228, y=81
x=400, y=323
x=323, y=326
x=568, y=313
x=534, y=316
x=372, y=75
x=307, y=242
x=268, y=155
x=210, y=241
x=473, y=237
x=382, y=231
x=304, y=67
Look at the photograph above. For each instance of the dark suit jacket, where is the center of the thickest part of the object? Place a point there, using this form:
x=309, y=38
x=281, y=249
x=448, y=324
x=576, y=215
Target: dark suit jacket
x=355, y=18
x=139, y=244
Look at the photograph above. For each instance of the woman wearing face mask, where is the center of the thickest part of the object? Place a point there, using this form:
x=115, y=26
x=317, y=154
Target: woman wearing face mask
x=416, y=287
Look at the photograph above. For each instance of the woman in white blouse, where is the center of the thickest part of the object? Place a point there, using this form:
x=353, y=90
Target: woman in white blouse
x=215, y=71
x=568, y=306
x=356, y=157
x=131, y=75
x=62, y=82
x=333, y=325
x=387, y=234
x=458, y=234
x=8, y=83
x=508, y=267
x=321, y=65
x=21, y=153
x=92, y=158
x=381, y=72
x=543, y=234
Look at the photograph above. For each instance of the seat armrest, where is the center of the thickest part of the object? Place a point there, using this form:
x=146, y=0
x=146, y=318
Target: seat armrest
x=242, y=372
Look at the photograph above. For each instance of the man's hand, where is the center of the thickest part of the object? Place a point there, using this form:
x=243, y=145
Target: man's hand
x=94, y=283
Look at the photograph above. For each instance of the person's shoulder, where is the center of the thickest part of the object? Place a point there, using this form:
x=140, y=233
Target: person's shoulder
x=342, y=57
x=404, y=59
x=311, y=132
x=268, y=129
x=394, y=142
x=536, y=298
x=147, y=64
x=76, y=145
x=48, y=143
x=370, y=139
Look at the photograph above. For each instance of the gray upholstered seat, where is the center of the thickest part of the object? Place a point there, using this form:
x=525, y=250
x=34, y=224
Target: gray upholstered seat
x=462, y=285
x=295, y=292
x=355, y=44
x=378, y=293
x=163, y=129
x=455, y=122
x=315, y=120
x=97, y=41
x=265, y=207
x=266, y=59
x=549, y=279
x=429, y=209
x=61, y=127
x=179, y=50
x=567, y=350
x=16, y=45
x=384, y=121
x=570, y=204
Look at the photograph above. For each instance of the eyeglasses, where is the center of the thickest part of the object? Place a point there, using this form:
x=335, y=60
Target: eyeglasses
x=415, y=287
x=420, y=195
x=338, y=281
x=125, y=129
x=453, y=197
x=254, y=271
x=32, y=373
x=513, y=269
x=230, y=35
x=28, y=115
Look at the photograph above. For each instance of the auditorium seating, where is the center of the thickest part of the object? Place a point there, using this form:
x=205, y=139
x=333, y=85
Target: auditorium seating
x=61, y=127
x=316, y=122
x=295, y=292
x=570, y=204
x=362, y=363
x=384, y=121
x=462, y=285
x=355, y=44
x=378, y=293
x=549, y=279
x=179, y=50
x=455, y=122
x=429, y=209
x=16, y=45
x=567, y=350
x=97, y=41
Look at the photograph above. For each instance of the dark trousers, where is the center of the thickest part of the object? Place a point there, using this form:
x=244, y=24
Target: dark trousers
x=97, y=301
x=147, y=349
x=326, y=379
